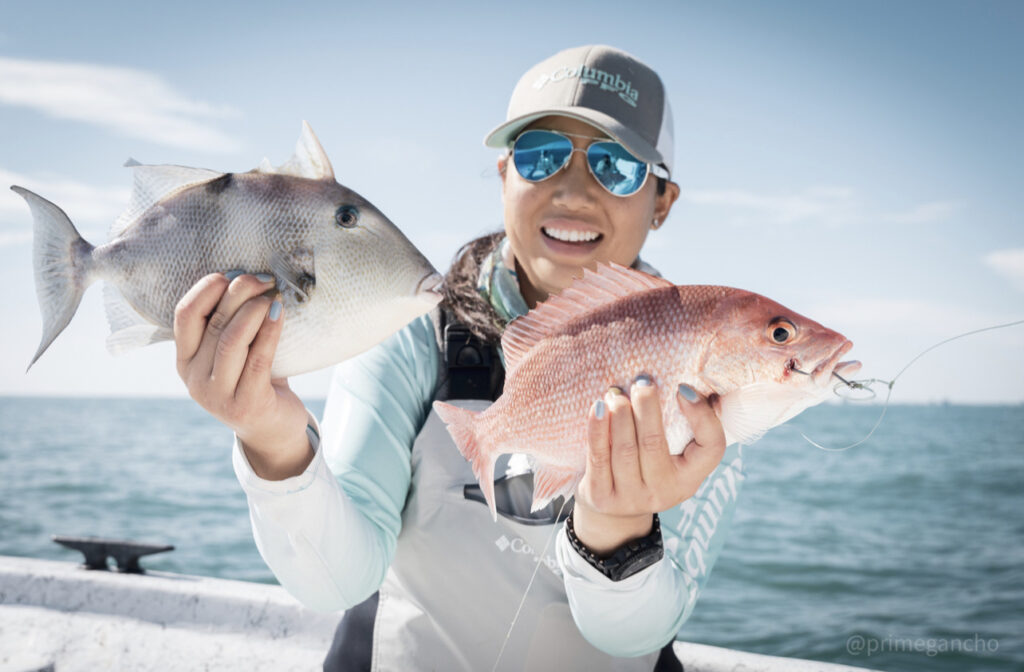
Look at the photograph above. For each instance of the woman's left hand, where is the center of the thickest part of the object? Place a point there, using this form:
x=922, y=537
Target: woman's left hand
x=630, y=474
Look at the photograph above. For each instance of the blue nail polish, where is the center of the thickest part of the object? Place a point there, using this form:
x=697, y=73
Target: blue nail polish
x=231, y=275
x=687, y=392
x=643, y=381
x=275, y=311
x=264, y=277
x=599, y=409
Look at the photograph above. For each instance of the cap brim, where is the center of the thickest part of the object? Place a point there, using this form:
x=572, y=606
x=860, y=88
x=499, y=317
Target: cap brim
x=503, y=135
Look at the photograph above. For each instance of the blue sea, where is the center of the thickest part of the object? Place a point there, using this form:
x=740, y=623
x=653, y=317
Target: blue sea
x=904, y=553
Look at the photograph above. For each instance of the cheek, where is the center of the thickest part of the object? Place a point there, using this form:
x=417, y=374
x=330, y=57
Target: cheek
x=631, y=233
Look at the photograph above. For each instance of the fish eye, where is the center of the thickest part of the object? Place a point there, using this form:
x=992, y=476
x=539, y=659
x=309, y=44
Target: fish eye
x=347, y=216
x=781, y=330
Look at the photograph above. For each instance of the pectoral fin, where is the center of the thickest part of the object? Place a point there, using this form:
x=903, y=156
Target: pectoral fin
x=750, y=411
x=294, y=273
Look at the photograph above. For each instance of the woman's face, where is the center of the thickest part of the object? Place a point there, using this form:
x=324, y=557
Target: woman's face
x=573, y=201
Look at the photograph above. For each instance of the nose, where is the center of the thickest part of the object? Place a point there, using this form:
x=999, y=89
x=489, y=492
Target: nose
x=574, y=183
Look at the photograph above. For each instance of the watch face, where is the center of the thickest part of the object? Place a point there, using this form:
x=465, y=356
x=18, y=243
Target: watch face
x=639, y=561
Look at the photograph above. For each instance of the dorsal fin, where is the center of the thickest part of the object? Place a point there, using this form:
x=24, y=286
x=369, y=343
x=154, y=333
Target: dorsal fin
x=154, y=184
x=610, y=282
x=309, y=160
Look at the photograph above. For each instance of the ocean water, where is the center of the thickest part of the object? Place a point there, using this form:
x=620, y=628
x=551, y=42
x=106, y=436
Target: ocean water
x=905, y=553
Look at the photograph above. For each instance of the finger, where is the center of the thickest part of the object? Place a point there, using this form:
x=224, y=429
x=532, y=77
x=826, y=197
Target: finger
x=241, y=289
x=190, y=317
x=256, y=372
x=599, y=467
x=655, y=461
x=234, y=345
x=705, y=451
x=625, y=460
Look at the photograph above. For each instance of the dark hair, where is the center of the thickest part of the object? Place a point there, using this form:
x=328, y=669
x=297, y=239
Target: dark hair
x=461, y=296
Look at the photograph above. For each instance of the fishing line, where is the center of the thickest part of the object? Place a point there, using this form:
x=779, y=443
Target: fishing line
x=864, y=384
x=540, y=560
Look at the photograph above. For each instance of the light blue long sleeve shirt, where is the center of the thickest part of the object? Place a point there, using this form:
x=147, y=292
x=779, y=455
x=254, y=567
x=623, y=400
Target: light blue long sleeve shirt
x=329, y=534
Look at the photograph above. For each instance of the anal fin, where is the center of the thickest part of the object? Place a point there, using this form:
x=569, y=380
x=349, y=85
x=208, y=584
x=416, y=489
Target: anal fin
x=550, y=482
x=128, y=329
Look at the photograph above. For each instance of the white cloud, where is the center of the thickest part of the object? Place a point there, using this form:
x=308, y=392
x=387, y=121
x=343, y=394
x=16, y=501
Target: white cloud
x=923, y=213
x=1009, y=264
x=819, y=204
x=91, y=208
x=834, y=206
x=132, y=102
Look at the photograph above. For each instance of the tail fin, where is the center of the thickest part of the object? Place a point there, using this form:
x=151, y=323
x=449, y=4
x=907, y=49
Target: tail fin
x=462, y=426
x=62, y=260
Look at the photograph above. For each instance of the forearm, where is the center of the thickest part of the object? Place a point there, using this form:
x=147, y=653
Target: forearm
x=626, y=618
x=317, y=542
x=642, y=612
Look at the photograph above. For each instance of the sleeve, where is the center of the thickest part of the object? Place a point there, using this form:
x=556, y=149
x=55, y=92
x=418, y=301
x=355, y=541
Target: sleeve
x=329, y=534
x=643, y=612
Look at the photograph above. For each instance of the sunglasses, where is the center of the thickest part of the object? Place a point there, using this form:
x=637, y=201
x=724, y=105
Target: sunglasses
x=538, y=155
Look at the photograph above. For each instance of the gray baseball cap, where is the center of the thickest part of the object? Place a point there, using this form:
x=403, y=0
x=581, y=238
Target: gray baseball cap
x=603, y=86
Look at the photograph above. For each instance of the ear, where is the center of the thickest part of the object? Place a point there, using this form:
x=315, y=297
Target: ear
x=663, y=204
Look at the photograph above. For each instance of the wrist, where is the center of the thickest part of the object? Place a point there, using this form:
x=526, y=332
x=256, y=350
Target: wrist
x=628, y=559
x=275, y=458
x=603, y=533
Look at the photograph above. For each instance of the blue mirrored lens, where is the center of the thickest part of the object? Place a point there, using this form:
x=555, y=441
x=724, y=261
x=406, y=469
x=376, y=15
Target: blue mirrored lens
x=615, y=168
x=539, y=154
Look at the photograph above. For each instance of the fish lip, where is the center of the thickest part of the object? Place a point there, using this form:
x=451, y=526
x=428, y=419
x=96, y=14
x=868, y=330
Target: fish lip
x=823, y=371
x=430, y=284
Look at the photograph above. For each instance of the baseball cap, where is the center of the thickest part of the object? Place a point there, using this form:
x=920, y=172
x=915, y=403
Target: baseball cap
x=603, y=86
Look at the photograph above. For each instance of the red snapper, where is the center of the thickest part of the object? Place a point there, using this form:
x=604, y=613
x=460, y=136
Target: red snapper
x=765, y=362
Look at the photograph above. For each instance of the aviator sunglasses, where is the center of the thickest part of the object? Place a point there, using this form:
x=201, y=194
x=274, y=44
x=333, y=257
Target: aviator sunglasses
x=540, y=154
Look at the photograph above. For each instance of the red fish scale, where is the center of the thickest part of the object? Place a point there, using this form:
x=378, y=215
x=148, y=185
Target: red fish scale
x=548, y=394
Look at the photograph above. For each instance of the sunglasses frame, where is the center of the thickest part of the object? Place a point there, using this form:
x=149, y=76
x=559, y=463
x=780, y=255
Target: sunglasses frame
x=652, y=169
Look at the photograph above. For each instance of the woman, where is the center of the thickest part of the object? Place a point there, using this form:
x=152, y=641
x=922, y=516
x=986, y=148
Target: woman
x=381, y=516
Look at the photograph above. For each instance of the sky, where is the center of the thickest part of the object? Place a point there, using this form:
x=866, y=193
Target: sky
x=859, y=162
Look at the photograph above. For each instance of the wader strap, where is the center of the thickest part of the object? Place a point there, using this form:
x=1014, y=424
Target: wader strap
x=352, y=648
x=470, y=368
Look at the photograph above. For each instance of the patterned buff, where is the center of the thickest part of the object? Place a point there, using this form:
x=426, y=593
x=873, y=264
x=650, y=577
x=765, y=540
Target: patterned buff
x=499, y=283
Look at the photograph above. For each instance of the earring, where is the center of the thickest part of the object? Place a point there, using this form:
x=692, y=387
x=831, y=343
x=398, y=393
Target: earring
x=655, y=224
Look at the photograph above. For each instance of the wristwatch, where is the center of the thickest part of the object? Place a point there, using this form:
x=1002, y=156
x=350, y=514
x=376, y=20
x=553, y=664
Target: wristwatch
x=633, y=556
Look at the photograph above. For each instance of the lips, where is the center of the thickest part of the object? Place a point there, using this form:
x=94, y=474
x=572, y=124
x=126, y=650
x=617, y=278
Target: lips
x=823, y=371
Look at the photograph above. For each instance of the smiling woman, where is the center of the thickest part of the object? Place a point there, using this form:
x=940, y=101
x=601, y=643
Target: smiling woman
x=570, y=220
x=372, y=515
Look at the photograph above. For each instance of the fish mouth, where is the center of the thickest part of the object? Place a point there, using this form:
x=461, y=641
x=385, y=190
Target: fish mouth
x=822, y=373
x=429, y=285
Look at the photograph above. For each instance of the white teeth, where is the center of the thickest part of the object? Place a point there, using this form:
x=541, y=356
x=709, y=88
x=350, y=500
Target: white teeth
x=572, y=236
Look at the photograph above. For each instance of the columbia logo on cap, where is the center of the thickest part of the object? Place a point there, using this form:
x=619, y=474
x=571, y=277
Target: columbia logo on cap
x=586, y=75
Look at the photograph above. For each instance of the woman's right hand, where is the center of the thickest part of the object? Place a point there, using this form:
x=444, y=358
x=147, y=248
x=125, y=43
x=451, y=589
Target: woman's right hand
x=226, y=339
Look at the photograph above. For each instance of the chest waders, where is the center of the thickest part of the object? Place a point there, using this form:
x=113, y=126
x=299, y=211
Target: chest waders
x=434, y=612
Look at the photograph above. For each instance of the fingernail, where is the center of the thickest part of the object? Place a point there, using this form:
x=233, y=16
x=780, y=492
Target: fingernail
x=599, y=409
x=614, y=391
x=264, y=277
x=231, y=275
x=275, y=311
x=687, y=392
x=643, y=381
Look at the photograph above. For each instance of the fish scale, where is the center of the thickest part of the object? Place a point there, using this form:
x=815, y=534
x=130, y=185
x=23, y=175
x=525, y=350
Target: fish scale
x=616, y=323
x=343, y=288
